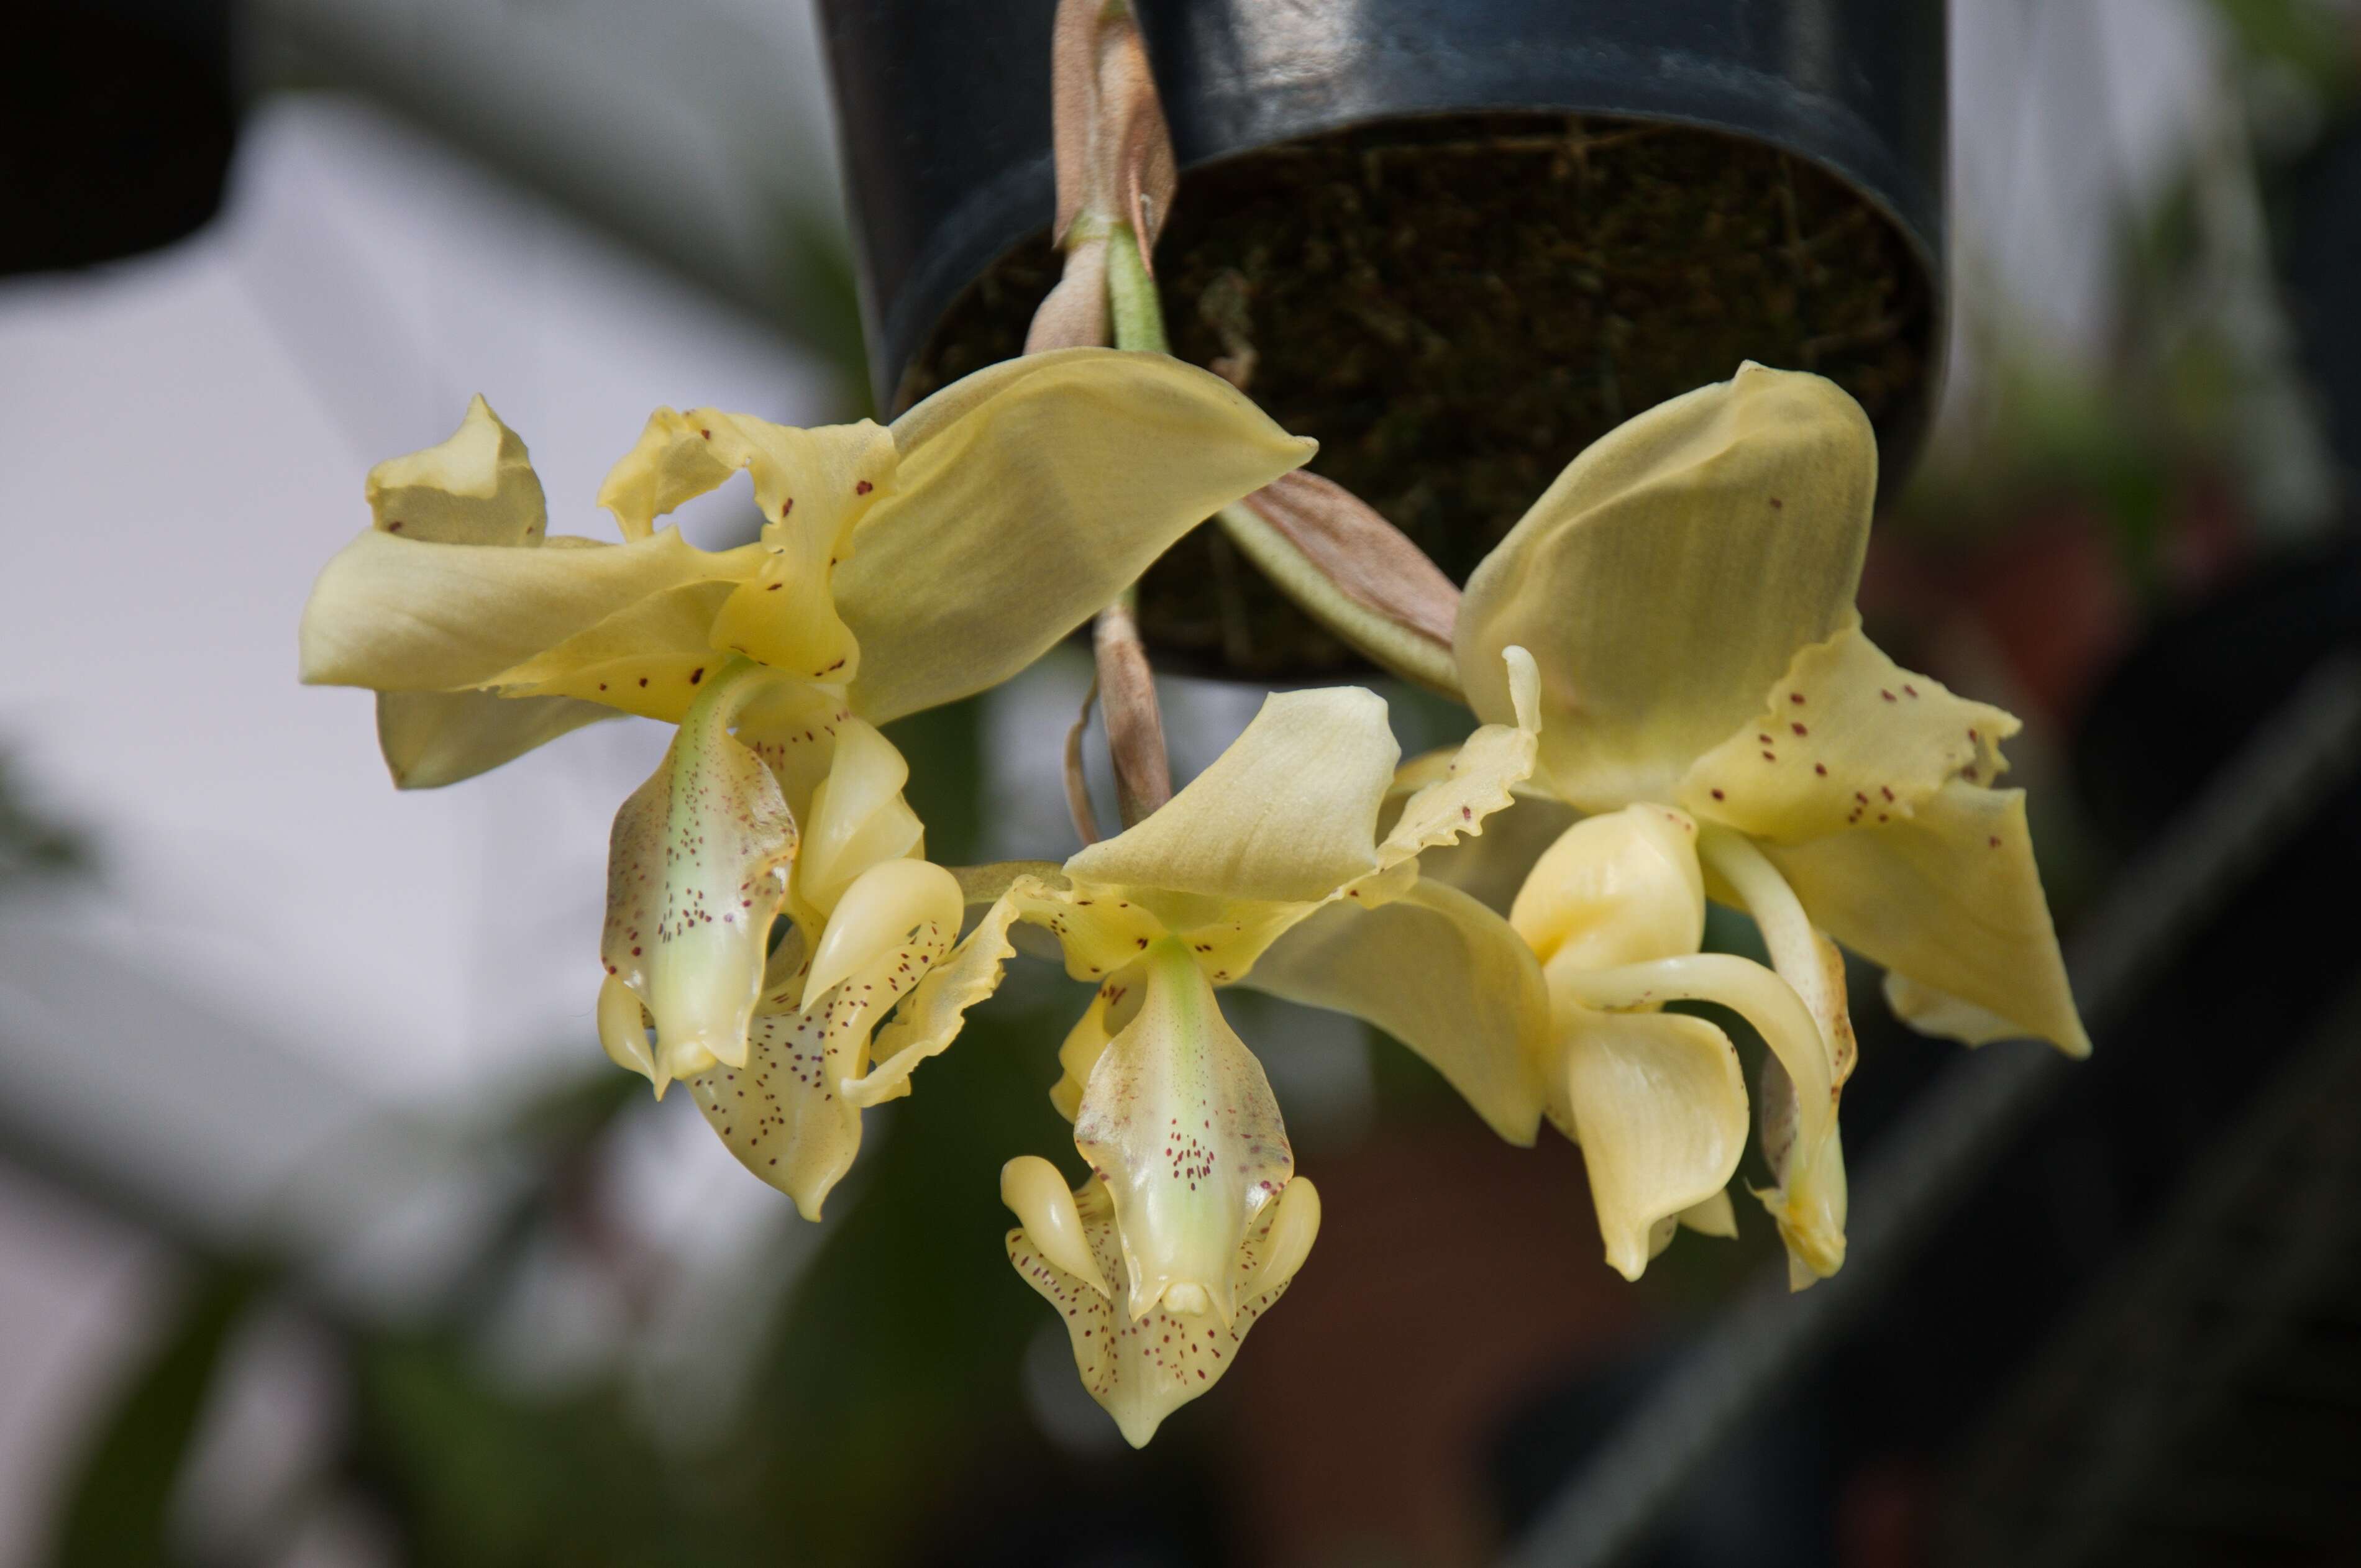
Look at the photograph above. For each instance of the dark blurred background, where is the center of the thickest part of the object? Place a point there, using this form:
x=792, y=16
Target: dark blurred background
x=327, y=1237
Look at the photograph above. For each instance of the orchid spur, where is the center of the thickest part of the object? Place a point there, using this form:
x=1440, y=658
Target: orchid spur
x=1709, y=704
x=898, y=569
x=1274, y=869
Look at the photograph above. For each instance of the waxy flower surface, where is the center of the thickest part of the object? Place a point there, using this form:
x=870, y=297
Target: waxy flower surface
x=1709, y=706
x=1271, y=871
x=899, y=567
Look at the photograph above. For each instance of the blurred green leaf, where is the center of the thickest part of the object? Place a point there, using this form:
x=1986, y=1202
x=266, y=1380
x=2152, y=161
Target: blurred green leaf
x=116, y=1512
x=480, y=1476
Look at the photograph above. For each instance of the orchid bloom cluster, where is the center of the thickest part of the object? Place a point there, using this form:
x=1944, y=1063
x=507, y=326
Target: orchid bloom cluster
x=1678, y=705
x=898, y=569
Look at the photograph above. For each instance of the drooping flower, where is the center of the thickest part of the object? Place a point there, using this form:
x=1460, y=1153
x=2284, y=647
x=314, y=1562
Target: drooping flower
x=899, y=567
x=1269, y=871
x=1710, y=704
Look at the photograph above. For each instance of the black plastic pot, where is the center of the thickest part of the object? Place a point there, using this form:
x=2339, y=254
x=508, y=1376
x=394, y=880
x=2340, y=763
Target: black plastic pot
x=1454, y=239
x=116, y=133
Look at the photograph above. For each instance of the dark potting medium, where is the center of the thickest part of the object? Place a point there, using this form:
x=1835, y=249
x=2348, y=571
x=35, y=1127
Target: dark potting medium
x=1455, y=308
x=1454, y=304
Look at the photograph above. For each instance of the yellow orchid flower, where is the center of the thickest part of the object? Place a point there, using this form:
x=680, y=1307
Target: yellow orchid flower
x=1269, y=871
x=899, y=567
x=1709, y=704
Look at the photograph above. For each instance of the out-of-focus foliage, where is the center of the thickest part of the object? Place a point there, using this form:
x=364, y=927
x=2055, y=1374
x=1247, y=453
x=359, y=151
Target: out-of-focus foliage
x=118, y=1514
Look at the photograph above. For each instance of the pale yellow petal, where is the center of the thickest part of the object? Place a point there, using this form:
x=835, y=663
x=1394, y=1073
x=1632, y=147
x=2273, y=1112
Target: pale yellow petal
x=1289, y=812
x=1179, y=1121
x=1112, y=1008
x=858, y=817
x=780, y=1113
x=1847, y=740
x=1619, y=888
x=623, y=1032
x=1811, y=1202
x=876, y=913
x=398, y=614
x=1933, y=1012
x=817, y=483
x=931, y=1019
x=1717, y=1216
x=792, y=726
x=1479, y=780
x=432, y=738
x=1658, y=1105
x=1949, y=897
x=1442, y=974
x=1028, y=495
x=697, y=871
x=1668, y=577
x=1491, y=866
x=475, y=488
x=788, y=1114
x=816, y=489
x=1142, y=1366
x=650, y=658
x=1052, y=1222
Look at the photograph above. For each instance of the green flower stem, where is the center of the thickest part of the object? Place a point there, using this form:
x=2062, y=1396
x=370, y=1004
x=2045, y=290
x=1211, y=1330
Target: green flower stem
x=1139, y=324
x=1131, y=294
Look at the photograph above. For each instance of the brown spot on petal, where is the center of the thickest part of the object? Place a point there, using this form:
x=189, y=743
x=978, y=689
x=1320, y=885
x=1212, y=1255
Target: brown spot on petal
x=863, y=487
x=1795, y=697
x=1717, y=794
x=1821, y=769
x=1799, y=730
x=707, y=434
x=697, y=674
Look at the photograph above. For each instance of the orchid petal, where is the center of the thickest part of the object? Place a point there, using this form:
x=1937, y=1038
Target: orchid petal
x=1177, y=1120
x=1948, y=896
x=1442, y=974
x=1658, y=1104
x=810, y=484
x=433, y=739
x=1112, y=1008
x=1933, y=1012
x=398, y=614
x=932, y=1017
x=477, y=487
x=877, y=913
x=697, y=871
x=1142, y=1365
x=788, y=1112
x=1849, y=739
x=1052, y=1220
x=1489, y=867
x=1717, y=1216
x=1742, y=508
x=793, y=725
x=1810, y=1200
x=1028, y=495
x=1479, y=780
x=858, y=817
x=1620, y=888
x=1288, y=814
x=650, y=658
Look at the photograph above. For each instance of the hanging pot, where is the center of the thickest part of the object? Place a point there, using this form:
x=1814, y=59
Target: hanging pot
x=1454, y=240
